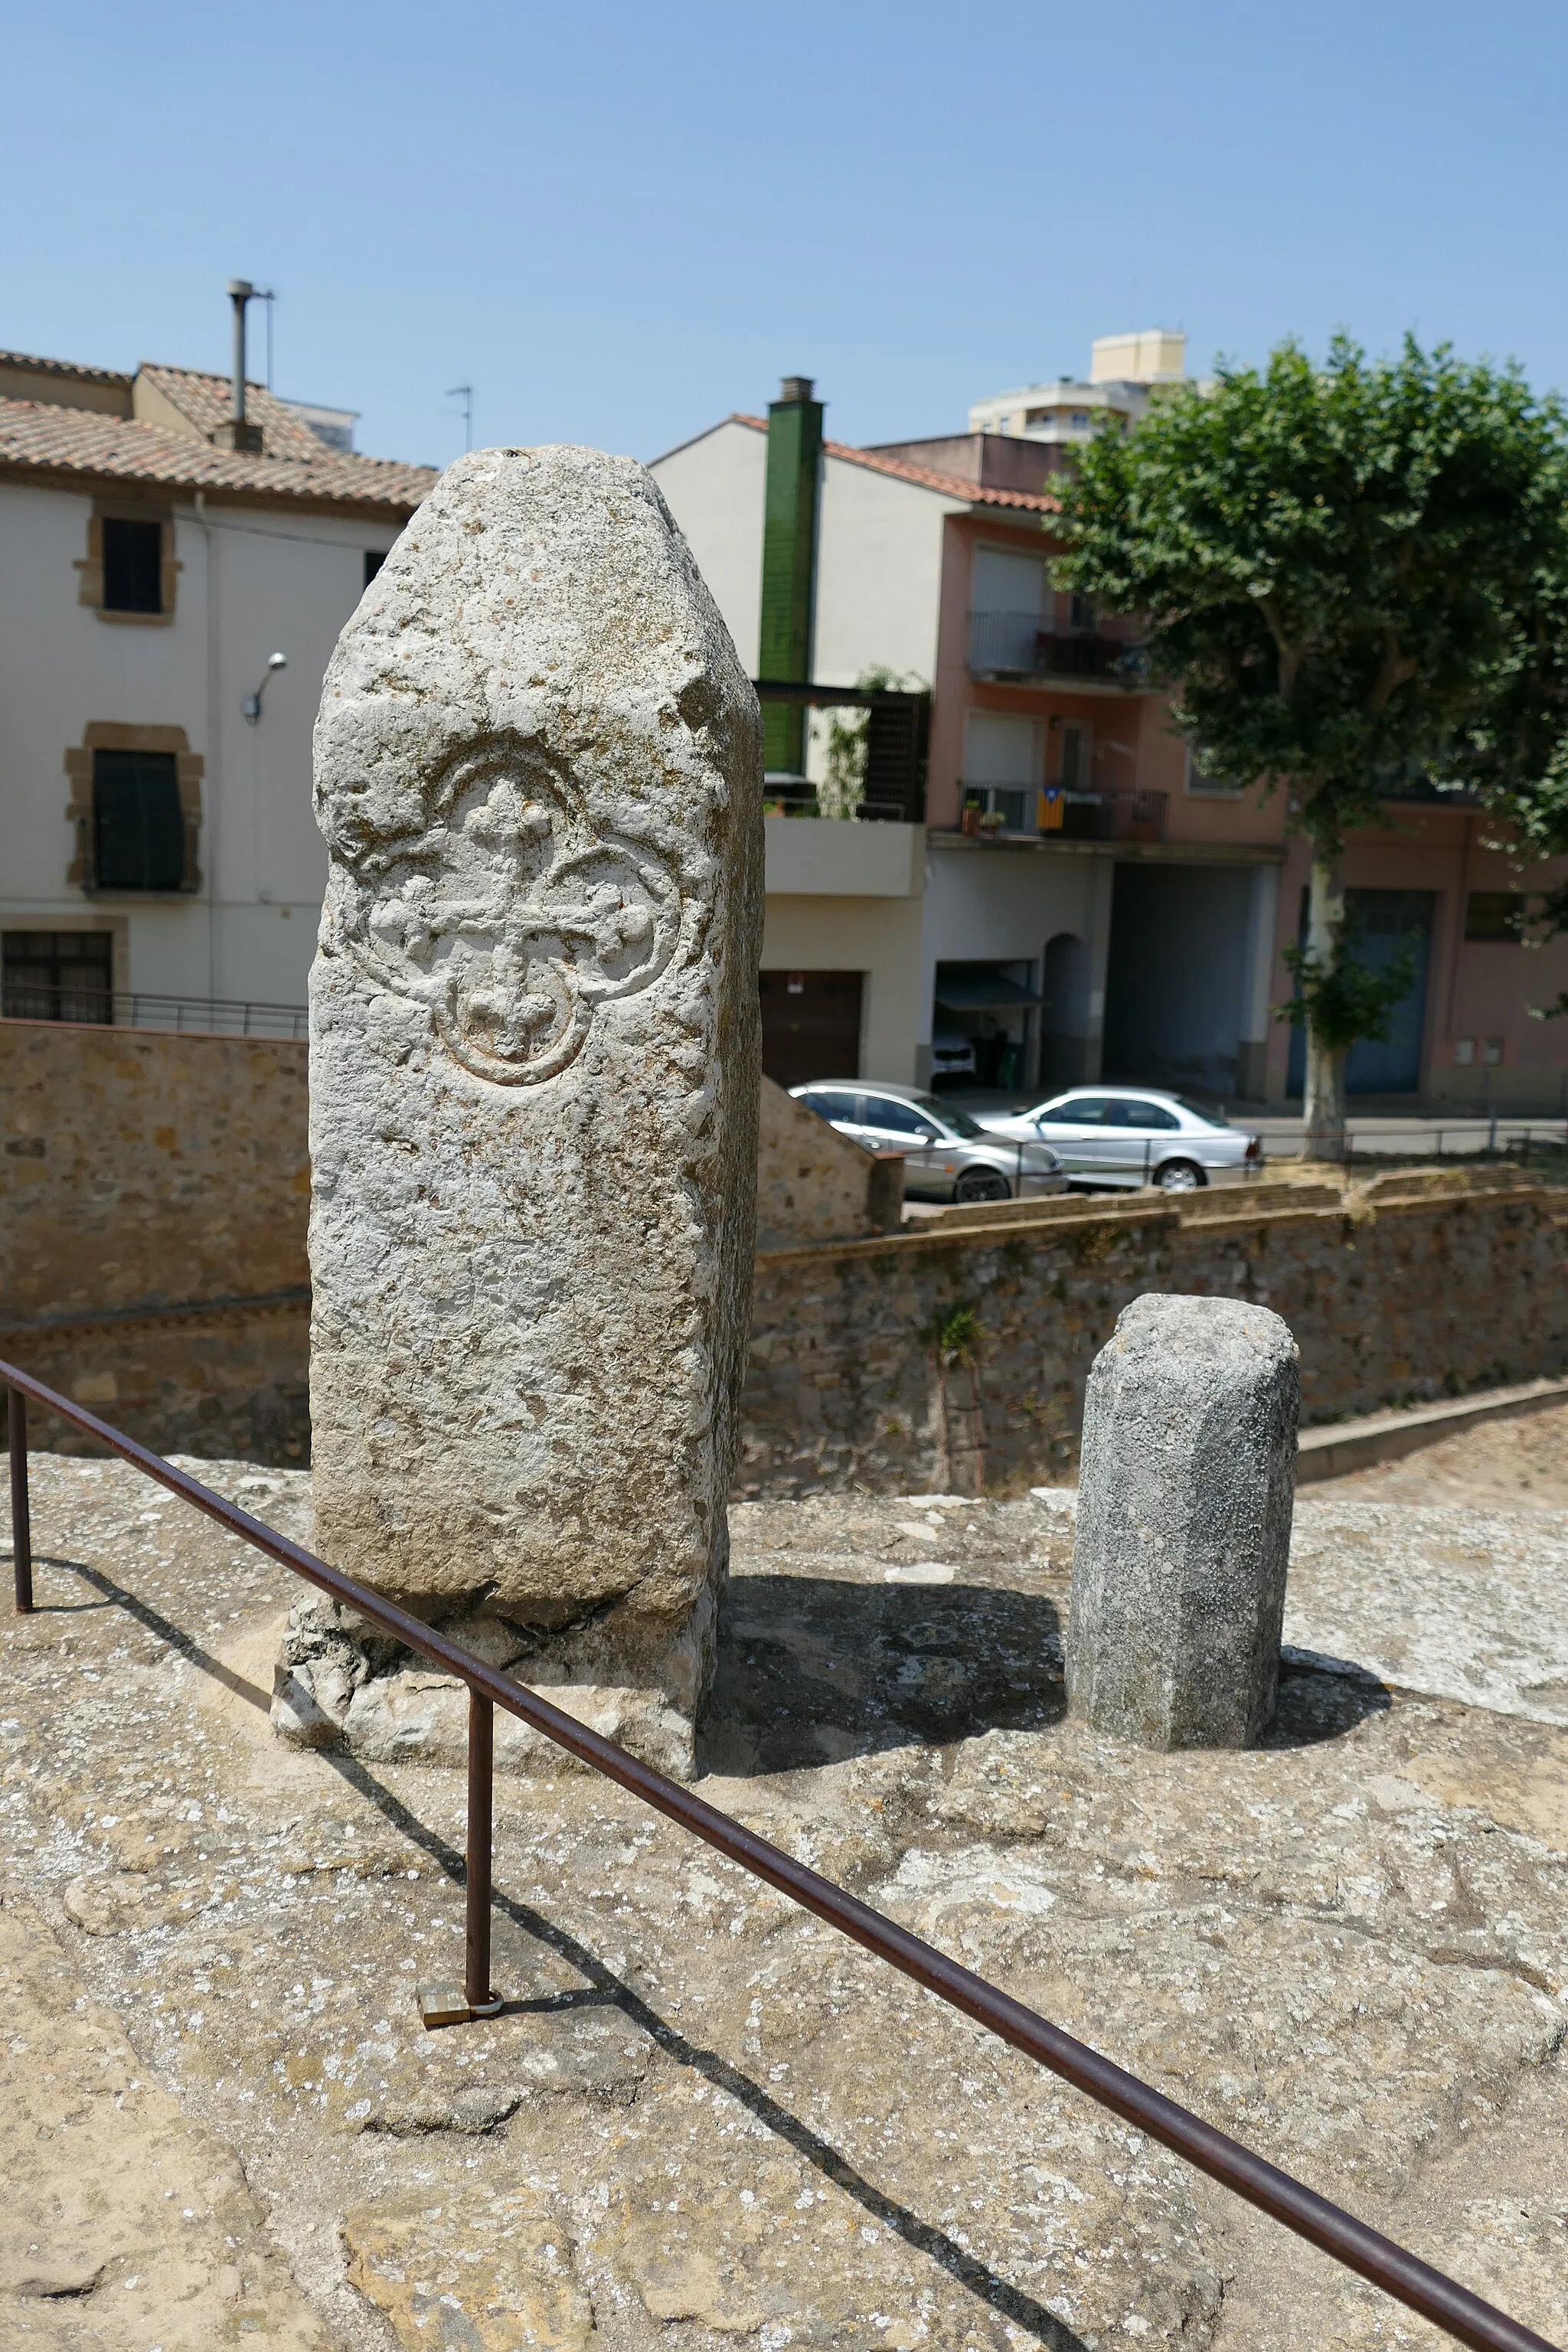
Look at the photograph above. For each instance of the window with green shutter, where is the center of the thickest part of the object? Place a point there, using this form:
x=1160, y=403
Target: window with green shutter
x=139, y=826
x=132, y=565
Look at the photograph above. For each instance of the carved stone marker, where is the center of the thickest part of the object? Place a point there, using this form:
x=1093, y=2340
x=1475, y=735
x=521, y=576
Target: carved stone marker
x=534, y=1047
x=1185, y=1491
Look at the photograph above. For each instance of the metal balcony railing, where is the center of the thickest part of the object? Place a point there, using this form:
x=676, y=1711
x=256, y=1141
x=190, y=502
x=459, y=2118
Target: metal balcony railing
x=1014, y=644
x=210, y=1016
x=1008, y=812
x=1286, y=2200
x=797, y=797
x=896, y=730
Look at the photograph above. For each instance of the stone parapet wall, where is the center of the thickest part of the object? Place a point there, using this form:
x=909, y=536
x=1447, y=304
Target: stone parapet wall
x=817, y=1185
x=1415, y=1299
x=140, y=1168
x=153, y=1196
x=151, y=1264
x=144, y=1170
x=228, y=1382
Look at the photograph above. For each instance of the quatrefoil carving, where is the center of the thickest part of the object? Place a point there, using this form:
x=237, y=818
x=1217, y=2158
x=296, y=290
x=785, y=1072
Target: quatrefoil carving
x=513, y=917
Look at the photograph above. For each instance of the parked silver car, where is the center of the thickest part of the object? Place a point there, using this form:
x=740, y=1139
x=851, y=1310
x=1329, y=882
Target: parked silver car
x=947, y=1156
x=1129, y=1136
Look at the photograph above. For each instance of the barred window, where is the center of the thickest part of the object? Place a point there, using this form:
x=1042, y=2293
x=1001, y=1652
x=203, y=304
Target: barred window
x=58, y=976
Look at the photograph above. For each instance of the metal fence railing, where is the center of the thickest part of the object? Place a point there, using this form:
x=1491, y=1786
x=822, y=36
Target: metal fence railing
x=1323, y=2224
x=1475, y=1137
x=210, y=1016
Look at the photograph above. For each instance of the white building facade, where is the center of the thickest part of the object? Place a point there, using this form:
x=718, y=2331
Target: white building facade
x=156, y=835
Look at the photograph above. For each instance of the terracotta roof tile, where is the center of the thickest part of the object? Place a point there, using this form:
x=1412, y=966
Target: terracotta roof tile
x=207, y=400
x=68, y=371
x=41, y=436
x=952, y=486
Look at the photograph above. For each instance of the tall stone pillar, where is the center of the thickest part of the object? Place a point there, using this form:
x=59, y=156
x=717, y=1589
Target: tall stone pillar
x=533, y=1103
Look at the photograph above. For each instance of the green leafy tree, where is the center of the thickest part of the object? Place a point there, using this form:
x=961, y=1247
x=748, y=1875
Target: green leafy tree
x=1348, y=573
x=1516, y=757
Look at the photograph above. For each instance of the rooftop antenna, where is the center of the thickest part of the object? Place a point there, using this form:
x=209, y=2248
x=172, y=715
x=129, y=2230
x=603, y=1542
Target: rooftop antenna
x=265, y=294
x=465, y=393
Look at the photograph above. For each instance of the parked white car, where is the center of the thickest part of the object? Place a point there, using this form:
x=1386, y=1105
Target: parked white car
x=952, y=1055
x=946, y=1156
x=1129, y=1136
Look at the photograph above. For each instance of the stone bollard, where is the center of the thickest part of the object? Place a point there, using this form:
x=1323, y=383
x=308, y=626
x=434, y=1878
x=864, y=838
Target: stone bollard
x=534, y=1072
x=1185, y=1489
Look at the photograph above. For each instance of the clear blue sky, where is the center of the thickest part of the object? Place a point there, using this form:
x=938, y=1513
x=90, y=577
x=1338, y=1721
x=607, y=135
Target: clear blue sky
x=620, y=222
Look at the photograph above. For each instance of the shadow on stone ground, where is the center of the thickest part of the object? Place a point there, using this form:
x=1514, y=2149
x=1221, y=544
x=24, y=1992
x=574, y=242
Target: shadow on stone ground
x=813, y=1670
x=521, y=1931
x=699, y=2111
x=1316, y=1705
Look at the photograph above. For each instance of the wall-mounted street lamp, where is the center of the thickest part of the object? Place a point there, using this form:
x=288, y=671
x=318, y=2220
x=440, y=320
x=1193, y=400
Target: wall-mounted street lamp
x=251, y=706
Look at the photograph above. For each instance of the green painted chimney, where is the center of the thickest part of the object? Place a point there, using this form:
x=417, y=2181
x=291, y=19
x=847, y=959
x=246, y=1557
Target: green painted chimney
x=789, y=561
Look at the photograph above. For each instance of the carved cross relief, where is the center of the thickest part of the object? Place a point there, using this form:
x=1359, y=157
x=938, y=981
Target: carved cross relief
x=512, y=916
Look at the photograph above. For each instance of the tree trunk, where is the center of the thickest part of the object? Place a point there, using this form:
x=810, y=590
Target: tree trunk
x=1325, y=1108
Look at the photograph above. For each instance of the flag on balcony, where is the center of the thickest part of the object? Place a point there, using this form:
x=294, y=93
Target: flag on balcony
x=1052, y=807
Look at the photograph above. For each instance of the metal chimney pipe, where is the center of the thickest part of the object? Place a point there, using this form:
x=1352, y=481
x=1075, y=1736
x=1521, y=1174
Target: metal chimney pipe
x=240, y=291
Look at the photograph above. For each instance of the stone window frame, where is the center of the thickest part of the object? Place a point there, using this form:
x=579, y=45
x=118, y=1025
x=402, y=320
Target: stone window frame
x=89, y=589
x=107, y=735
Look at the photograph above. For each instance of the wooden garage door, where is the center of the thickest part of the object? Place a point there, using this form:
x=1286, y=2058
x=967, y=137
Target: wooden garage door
x=811, y=1026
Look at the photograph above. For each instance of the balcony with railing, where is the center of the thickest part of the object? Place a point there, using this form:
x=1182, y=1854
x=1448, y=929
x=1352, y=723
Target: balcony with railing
x=1012, y=813
x=1013, y=647
x=894, y=728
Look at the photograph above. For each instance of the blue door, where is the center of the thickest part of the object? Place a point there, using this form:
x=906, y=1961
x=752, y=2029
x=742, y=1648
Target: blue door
x=1381, y=925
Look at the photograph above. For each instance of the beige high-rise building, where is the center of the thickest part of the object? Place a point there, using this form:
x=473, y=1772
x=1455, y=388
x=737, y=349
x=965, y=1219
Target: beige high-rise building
x=1124, y=370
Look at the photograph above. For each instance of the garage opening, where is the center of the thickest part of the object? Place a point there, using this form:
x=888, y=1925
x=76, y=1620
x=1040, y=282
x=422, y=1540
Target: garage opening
x=1176, y=976
x=983, y=1024
x=811, y=1026
x=1064, y=1013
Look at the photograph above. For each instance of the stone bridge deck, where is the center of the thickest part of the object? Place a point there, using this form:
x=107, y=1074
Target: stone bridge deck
x=705, y=2122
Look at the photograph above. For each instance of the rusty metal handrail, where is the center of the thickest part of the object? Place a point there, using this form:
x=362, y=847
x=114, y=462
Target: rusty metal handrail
x=1286, y=2200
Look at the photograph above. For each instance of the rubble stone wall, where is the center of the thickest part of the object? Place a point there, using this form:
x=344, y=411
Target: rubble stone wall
x=153, y=1194
x=1413, y=1299
x=153, y=1201
x=140, y=1169
x=815, y=1184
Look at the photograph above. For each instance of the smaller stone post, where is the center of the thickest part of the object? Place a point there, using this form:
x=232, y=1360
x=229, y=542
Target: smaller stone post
x=1186, y=1485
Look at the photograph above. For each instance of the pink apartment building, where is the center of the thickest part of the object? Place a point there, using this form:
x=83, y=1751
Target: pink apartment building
x=1078, y=901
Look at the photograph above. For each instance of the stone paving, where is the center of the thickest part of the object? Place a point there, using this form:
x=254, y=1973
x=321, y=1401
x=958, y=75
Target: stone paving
x=703, y=2121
